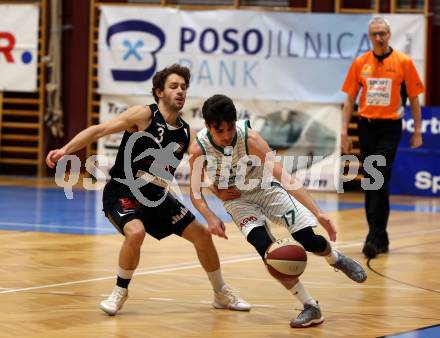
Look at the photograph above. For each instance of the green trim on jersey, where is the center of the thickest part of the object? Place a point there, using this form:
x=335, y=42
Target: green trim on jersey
x=203, y=150
x=201, y=145
x=247, y=124
x=220, y=149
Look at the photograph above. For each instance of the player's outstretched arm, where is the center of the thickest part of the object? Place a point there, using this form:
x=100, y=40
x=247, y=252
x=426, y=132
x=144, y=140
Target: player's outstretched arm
x=130, y=119
x=196, y=162
x=258, y=146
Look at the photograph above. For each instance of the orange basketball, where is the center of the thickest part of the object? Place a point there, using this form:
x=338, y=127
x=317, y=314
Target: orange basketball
x=285, y=259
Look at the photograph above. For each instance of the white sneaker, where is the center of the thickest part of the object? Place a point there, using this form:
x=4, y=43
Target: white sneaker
x=115, y=301
x=227, y=299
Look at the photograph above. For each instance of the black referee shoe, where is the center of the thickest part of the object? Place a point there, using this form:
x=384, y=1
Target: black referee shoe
x=371, y=250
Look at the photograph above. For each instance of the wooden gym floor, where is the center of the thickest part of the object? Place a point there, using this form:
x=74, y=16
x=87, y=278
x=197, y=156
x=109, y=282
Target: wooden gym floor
x=59, y=257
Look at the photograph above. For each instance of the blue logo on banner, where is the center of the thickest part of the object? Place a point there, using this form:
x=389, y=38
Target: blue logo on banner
x=132, y=49
x=417, y=171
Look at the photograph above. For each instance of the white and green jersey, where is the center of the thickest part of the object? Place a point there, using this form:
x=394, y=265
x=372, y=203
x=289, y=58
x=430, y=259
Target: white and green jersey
x=231, y=167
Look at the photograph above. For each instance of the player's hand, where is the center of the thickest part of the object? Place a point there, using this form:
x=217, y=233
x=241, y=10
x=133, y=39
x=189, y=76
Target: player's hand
x=416, y=140
x=228, y=194
x=328, y=226
x=53, y=157
x=346, y=144
x=217, y=227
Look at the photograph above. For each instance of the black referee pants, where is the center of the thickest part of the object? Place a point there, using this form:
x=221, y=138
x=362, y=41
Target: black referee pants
x=379, y=137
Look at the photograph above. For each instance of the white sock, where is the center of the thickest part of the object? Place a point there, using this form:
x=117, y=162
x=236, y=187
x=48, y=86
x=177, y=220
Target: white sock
x=300, y=292
x=332, y=257
x=126, y=274
x=216, y=279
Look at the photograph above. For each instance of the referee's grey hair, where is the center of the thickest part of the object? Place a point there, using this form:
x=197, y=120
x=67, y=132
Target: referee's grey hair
x=379, y=19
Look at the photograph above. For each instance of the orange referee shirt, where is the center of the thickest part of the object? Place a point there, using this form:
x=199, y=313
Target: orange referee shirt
x=381, y=82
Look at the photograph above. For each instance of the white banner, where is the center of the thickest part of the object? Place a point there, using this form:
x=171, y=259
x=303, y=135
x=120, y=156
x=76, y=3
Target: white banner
x=18, y=47
x=243, y=54
x=305, y=135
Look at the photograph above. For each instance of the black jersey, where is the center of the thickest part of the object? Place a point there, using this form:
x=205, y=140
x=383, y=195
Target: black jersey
x=158, y=151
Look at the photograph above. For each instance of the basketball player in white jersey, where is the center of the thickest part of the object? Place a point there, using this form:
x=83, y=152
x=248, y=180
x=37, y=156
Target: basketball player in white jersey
x=162, y=124
x=236, y=161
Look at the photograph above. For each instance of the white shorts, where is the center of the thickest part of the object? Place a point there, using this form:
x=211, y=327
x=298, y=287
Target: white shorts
x=251, y=209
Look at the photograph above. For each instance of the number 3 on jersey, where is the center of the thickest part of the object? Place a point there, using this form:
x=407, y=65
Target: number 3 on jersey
x=161, y=132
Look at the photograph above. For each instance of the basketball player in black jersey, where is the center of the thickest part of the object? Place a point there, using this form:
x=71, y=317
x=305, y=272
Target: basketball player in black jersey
x=154, y=142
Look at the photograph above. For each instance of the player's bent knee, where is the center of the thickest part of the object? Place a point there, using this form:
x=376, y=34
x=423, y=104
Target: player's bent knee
x=310, y=241
x=197, y=233
x=260, y=239
x=134, y=231
x=203, y=236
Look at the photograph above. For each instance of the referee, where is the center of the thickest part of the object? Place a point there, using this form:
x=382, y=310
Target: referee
x=387, y=77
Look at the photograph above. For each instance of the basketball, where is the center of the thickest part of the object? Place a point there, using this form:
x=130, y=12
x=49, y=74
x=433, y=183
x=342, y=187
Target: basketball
x=285, y=259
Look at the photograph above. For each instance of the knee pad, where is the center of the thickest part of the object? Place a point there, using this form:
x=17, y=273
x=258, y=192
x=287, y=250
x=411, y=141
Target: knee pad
x=260, y=239
x=310, y=241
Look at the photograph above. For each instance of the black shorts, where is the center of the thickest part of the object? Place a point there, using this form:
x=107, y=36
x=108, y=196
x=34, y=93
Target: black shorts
x=170, y=217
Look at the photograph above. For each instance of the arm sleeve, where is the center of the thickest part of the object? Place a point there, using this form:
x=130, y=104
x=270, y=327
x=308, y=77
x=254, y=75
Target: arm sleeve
x=414, y=85
x=351, y=84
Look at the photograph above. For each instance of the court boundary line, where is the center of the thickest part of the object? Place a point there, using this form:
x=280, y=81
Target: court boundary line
x=73, y=227
x=191, y=265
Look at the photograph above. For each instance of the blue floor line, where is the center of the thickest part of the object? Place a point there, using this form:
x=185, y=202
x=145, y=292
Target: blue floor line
x=425, y=332
x=48, y=210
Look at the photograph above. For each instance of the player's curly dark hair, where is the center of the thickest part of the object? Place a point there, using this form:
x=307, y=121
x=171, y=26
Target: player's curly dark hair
x=219, y=108
x=160, y=77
